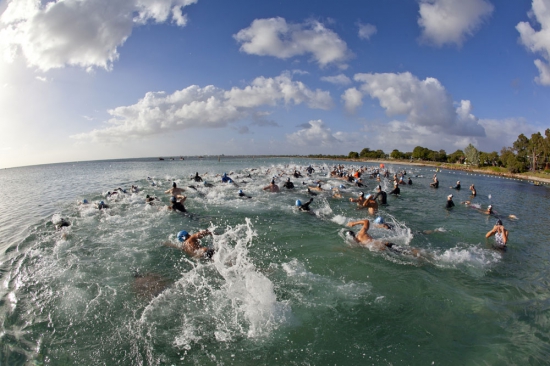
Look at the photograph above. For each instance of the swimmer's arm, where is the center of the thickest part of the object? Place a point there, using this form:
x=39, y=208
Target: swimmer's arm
x=360, y=222
x=168, y=191
x=202, y=234
x=491, y=232
x=170, y=244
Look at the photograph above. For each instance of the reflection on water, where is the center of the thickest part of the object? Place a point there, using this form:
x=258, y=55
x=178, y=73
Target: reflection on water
x=283, y=286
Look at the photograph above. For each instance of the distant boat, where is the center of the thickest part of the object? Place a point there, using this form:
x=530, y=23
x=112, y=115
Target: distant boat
x=161, y=158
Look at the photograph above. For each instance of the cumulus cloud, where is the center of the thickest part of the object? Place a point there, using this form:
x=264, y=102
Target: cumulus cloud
x=451, y=21
x=340, y=79
x=425, y=103
x=86, y=33
x=538, y=41
x=208, y=107
x=315, y=133
x=275, y=37
x=366, y=30
x=352, y=99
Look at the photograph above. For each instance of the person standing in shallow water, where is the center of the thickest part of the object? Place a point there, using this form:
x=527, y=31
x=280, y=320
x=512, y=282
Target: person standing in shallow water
x=450, y=202
x=500, y=233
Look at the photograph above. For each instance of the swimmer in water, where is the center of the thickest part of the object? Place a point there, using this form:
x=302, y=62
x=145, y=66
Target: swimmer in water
x=61, y=224
x=489, y=210
x=197, y=178
x=191, y=244
x=175, y=191
x=500, y=233
x=208, y=185
x=101, y=205
x=450, y=202
x=304, y=206
x=473, y=189
x=457, y=187
x=288, y=184
x=310, y=192
x=381, y=223
x=410, y=182
x=435, y=183
x=396, y=190
x=371, y=204
x=364, y=239
x=336, y=192
x=177, y=205
x=241, y=194
x=381, y=196
x=226, y=179
x=150, y=200
x=360, y=200
x=272, y=187
x=317, y=187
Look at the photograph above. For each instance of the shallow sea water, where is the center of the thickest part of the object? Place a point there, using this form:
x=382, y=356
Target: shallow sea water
x=284, y=287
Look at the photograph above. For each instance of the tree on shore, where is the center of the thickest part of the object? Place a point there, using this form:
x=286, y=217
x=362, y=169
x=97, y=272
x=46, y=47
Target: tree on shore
x=472, y=155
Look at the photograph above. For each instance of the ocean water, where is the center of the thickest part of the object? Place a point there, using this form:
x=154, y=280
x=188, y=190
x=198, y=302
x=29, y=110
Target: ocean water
x=284, y=287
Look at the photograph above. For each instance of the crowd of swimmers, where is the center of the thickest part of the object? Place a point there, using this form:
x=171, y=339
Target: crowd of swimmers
x=190, y=243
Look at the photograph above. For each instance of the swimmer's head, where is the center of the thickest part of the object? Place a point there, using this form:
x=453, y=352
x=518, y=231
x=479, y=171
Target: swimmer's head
x=240, y=191
x=449, y=196
x=101, y=202
x=379, y=188
x=225, y=174
x=457, y=182
x=489, y=207
x=298, y=203
x=174, y=185
x=84, y=200
x=205, y=183
x=342, y=186
x=273, y=181
x=288, y=179
x=379, y=220
x=350, y=233
x=173, y=199
x=319, y=185
x=499, y=223
x=182, y=235
x=361, y=194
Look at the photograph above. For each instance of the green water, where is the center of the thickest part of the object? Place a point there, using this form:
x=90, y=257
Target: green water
x=284, y=287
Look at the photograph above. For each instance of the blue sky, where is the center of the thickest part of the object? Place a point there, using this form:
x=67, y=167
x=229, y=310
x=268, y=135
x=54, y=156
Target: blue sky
x=103, y=79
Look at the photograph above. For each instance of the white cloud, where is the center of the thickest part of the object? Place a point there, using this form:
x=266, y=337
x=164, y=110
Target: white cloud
x=366, y=30
x=451, y=21
x=208, y=107
x=275, y=37
x=538, y=41
x=424, y=103
x=353, y=99
x=317, y=134
x=85, y=33
x=340, y=79
x=42, y=79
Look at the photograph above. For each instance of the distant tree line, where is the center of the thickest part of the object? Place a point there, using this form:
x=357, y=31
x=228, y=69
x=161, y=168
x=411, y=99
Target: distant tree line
x=525, y=154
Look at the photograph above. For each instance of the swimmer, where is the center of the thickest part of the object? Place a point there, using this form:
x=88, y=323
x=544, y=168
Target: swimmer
x=288, y=184
x=272, y=187
x=435, y=183
x=134, y=189
x=150, y=200
x=206, y=184
x=317, y=187
x=489, y=210
x=241, y=194
x=101, y=205
x=310, y=192
x=297, y=174
x=381, y=223
x=363, y=238
x=360, y=200
x=473, y=189
x=396, y=190
x=226, y=179
x=83, y=202
x=191, y=244
x=450, y=202
x=336, y=193
x=381, y=196
x=370, y=204
x=457, y=185
x=61, y=224
x=500, y=233
x=410, y=182
x=310, y=169
x=197, y=178
x=304, y=206
x=175, y=191
x=177, y=205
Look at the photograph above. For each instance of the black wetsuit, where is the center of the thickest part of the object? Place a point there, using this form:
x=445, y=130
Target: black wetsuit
x=396, y=191
x=178, y=206
x=241, y=194
x=310, y=170
x=102, y=206
x=450, y=204
x=288, y=185
x=297, y=174
x=457, y=187
x=410, y=181
x=435, y=184
x=382, y=196
x=305, y=206
x=311, y=193
x=62, y=223
x=196, y=178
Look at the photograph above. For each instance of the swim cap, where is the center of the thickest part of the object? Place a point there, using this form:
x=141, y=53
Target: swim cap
x=101, y=202
x=205, y=182
x=361, y=194
x=240, y=191
x=173, y=199
x=225, y=174
x=147, y=196
x=319, y=185
x=499, y=223
x=379, y=220
x=298, y=203
x=288, y=179
x=342, y=186
x=174, y=184
x=84, y=200
x=450, y=196
x=273, y=181
x=182, y=235
x=490, y=206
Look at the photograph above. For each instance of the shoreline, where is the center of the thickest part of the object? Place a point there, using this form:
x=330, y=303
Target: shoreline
x=449, y=166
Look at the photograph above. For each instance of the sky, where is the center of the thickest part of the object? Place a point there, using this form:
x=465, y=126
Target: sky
x=108, y=79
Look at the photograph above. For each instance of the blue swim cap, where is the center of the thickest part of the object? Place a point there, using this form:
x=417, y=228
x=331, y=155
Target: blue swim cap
x=379, y=220
x=205, y=182
x=84, y=200
x=101, y=202
x=182, y=235
x=225, y=174
x=173, y=199
x=240, y=191
x=342, y=186
x=298, y=203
